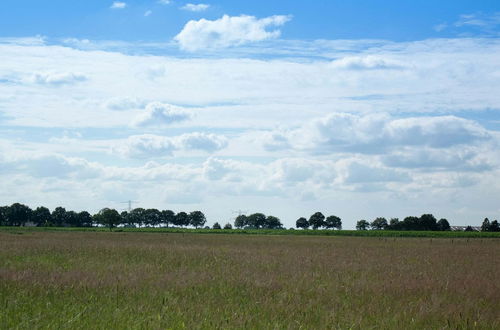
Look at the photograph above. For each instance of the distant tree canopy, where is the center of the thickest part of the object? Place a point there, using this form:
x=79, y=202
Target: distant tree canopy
x=20, y=215
x=257, y=221
x=318, y=220
x=302, y=223
x=424, y=222
x=362, y=225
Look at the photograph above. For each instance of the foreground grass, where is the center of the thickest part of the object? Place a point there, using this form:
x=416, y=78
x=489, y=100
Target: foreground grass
x=360, y=233
x=119, y=280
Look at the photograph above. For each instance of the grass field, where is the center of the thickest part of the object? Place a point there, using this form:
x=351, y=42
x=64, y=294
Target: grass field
x=103, y=280
x=360, y=233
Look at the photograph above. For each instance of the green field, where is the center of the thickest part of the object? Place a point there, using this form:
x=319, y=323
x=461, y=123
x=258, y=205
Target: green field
x=361, y=233
x=117, y=280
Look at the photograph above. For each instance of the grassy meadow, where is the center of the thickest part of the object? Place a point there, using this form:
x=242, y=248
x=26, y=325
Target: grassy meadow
x=141, y=280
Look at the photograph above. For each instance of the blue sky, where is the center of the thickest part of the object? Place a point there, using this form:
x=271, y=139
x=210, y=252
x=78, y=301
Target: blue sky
x=391, y=20
x=354, y=108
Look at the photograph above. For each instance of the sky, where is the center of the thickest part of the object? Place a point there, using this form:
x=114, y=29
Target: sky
x=358, y=109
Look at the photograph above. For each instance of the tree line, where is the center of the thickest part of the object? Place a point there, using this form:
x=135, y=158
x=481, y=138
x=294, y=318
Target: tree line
x=21, y=215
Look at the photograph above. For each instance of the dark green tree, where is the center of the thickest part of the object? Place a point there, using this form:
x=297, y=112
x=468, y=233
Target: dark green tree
x=3, y=215
x=379, y=224
x=394, y=224
x=333, y=222
x=362, y=225
x=197, y=219
x=443, y=225
x=41, y=216
x=427, y=222
x=317, y=220
x=256, y=220
x=495, y=226
x=18, y=214
x=486, y=225
x=273, y=222
x=302, y=223
x=182, y=219
x=216, y=226
x=152, y=217
x=59, y=217
x=136, y=217
x=228, y=226
x=168, y=217
x=240, y=221
x=109, y=218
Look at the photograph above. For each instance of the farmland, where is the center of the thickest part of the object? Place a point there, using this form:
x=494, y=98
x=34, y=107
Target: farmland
x=102, y=279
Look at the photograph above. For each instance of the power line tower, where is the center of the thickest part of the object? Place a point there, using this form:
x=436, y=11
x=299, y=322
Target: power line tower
x=129, y=202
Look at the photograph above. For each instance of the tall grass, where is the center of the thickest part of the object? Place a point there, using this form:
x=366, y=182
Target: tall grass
x=117, y=280
x=359, y=233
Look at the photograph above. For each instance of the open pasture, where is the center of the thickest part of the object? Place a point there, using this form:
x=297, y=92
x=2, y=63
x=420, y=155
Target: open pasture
x=120, y=280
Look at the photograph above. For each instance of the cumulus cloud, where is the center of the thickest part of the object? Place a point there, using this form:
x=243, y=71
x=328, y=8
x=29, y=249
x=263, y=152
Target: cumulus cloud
x=369, y=62
x=228, y=31
x=146, y=146
x=377, y=133
x=160, y=114
x=125, y=103
x=202, y=141
x=151, y=146
x=118, y=5
x=195, y=7
x=58, y=78
x=164, y=2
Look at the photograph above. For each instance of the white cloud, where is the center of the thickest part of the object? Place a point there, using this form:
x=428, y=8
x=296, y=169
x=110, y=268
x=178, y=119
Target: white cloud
x=58, y=78
x=146, y=146
x=160, y=114
x=164, y=2
x=195, y=7
x=377, y=133
x=118, y=5
x=202, y=141
x=369, y=62
x=148, y=13
x=154, y=146
x=228, y=31
x=125, y=103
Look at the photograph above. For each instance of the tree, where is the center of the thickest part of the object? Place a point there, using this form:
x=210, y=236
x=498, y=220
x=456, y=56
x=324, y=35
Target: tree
x=228, y=226
x=495, y=226
x=362, y=225
x=486, y=225
x=18, y=214
x=256, y=220
x=216, y=226
x=273, y=222
x=427, y=222
x=3, y=215
x=240, y=221
x=443, y=225
x=152, y=217
x=167, y=217
x=302, y=223
x=72, y=219
x=182, y=219
x=109, y=218
x=197, y=219
x=410, y=223
x=136, y=217
x=317, y=220
x=379, y=224
x=41, y=216
x=332, y=222
x=394, y=224
x=59, y=216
